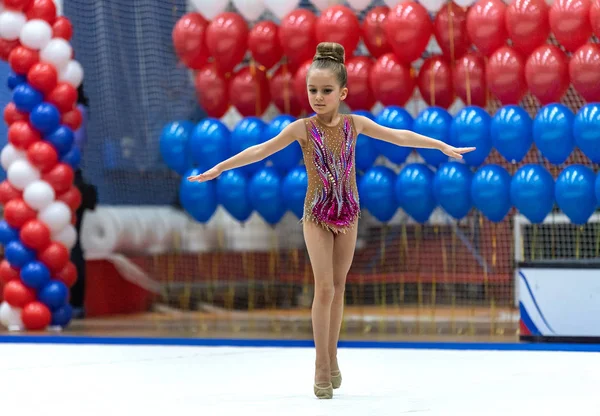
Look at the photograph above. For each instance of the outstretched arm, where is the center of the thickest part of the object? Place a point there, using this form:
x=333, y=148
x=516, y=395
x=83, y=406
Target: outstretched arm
x=254, y=153
x=406, y=137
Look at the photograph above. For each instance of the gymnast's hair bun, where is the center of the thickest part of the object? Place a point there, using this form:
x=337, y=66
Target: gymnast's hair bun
x=331, y=51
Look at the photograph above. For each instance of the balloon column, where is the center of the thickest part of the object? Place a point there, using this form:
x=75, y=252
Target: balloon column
x=38, y=195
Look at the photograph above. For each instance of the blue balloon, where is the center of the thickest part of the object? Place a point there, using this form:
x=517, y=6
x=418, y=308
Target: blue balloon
x=575, y=194
x=376, y=190
x=174, y=145
x=471, y=128
x=586, y=131
x=433, y=122
x=62, y=316
x=232, y=193
x=490, y=192
x=209, y=143
x=294, y=189
x=18, y=255
x=511, y=132
x=396, y=118
x=45, y=118
x=365, y=152
x=532, y=192
x=452, y=189
x=553, y=132
x=35, y=275
x=15, y=79
x=199, y=199
x=61, y=139
x=288, y=157
x=8, y=233
x=26, y=97
x=73, y=158
x=414, y=191
x=265, y=195
x=248, y=132
x=54, y=295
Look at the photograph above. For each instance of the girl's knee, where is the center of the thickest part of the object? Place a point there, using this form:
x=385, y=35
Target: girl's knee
x=324, y=291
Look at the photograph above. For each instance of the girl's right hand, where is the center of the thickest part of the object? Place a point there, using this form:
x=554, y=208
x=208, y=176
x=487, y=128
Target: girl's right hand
x=206, y=176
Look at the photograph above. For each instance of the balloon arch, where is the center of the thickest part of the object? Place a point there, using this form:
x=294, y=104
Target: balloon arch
x=487, y=48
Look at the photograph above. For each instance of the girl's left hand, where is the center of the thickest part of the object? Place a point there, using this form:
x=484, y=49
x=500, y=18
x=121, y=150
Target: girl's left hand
x=456, y=152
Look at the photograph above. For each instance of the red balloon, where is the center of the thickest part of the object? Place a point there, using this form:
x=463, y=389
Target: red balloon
x=584, y=71
x=408, y=29
x=595, y=17
x=63, y=96
x=373, y=31
x=263, y=42
x=72, y=119
x=189, y=39
x=527, y=24
x=360, y=96
x=22, y=135
x=35, y=234
x=249, y=91
x=42, y=155
x=7, y=272
x=212, y=90
x=300, y=86
x=6, y=47
x=227, y=40
x=62, y=28
x=42, y=9
x=72, y=198
x=36, y=316
x=486, y=27
x=547, y=74
x=21, y=59
x=8, y=192
x=60, y=177
x=435, y=82
x=570, y=22
x=469, y=80
x=297, y=36
x=16, y=4
x=450, y=30
x=505, y=75
x=43, y=77
x=17, y=294
x=55, y=256
x=391, y=80
x=17, y=213
x=68, y=275
x=339, y=24
x=12, y=115
x=281, y=87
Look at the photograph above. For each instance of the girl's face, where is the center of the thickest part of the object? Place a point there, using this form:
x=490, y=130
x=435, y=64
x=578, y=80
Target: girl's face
x=324, y=92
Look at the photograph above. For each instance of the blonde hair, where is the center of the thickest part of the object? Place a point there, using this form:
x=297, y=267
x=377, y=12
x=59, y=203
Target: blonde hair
x=331, y=55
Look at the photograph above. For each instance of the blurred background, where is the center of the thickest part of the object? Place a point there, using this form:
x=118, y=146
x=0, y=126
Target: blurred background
x=485, y=248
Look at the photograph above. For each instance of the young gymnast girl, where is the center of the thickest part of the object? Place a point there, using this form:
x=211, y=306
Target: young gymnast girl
x=331, y=207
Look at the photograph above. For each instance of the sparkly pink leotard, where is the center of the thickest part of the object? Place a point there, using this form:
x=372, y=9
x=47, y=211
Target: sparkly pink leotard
x=332, y=196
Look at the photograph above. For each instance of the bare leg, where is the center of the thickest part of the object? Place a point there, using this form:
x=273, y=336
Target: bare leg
x=319, y=244
x=343, y=253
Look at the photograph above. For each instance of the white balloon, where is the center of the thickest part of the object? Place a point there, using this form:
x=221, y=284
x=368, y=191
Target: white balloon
x=9, y=155
x=38, y=195
x=211, y=8
x=359, y=5
x=11, y=24
x=67, y=236
x=57, y=52
x=392, y=3
x=21, y=173
x=281, y=8
x=36, y=34
x=59, y=7
x=433, y=5
x=10, y=317
x=465, y=3
x=321, y=4
x=56, y=216
x=250, y=9
x=72, y=74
